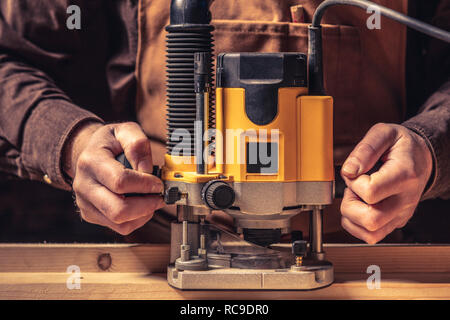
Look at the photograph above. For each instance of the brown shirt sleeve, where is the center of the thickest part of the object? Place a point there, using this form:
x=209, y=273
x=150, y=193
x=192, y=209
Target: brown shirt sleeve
x=36, y=116
x=433, y=124
x=433, y=121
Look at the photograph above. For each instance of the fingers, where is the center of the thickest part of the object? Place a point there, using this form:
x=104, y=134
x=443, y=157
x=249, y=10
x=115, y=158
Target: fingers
x=119, y=209
x=123, y=214
x=122, y=181
x=371, y=237
x=110, y=173
x=90, y=214
x=366, y=154
x=100, y=181
x=373, y=217
x=376, y=204
x=392, y=178
x=136, y=146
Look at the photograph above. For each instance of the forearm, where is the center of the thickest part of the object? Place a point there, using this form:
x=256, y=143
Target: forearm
x=433, y=124
x=36, y=118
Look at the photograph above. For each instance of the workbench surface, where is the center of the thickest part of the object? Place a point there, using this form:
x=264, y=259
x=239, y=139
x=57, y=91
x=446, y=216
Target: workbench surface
x=136, y=271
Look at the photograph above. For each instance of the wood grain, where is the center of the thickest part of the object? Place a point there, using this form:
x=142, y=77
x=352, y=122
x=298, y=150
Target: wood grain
x=142, y=286
x=151, y=258
x=38, y=271
x=390, y=258
x=144, y=258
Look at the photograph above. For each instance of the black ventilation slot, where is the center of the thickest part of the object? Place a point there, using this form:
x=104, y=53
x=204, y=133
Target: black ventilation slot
x=182, y=42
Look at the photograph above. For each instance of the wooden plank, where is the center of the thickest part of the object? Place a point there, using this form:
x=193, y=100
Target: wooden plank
x=152, y=258
x=145, y=258
x=390, y=258
x=110, y=285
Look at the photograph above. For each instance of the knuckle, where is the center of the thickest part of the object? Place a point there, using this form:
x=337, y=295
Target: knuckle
x=385, y=128
x=124, y=126
x=76, y=185
x=346, y=224
x=365, y=148
x=106, y=207
x=83, y=162
x=105, y=129
x=103, y=206
x=124, y=229
x=409, y=175
x=343, y=223
x=402, y=224
x=371, y=239
x=139, y=148
x=414, y=171
x=371, y=193
x=115, y=218
x=78, y=203
x=109, y=126
x=372, y=223
x=119, y=212
x=129, y=124
x=344, y=207
x=85, y=216
x=120, y=181
x=381, y=126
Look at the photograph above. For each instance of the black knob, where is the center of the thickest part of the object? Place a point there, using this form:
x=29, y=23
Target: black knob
x=218, y=195
x=172, y=195
x=299, y=248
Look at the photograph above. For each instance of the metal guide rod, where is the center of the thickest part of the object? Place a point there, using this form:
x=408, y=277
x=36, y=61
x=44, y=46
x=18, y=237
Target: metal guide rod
x=316, y=231
x=201, y=86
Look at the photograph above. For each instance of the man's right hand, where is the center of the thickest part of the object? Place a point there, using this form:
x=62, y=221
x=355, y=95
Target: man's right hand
x=100, y=182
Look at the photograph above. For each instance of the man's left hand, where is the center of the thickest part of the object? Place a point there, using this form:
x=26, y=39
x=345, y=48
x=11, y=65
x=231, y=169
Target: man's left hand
x=376, y=204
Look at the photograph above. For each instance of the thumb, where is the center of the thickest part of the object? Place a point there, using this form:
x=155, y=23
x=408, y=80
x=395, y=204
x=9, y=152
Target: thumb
x=136, y=146
x=369, y=150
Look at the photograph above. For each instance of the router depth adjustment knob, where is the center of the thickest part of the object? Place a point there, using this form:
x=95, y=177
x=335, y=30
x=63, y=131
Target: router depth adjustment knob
x=218, y=195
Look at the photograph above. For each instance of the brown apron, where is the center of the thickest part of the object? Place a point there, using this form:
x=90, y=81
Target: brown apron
x=364, y=69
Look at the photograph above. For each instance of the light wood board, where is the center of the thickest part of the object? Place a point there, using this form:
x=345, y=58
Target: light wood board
x=96, y=285
x=38, y=271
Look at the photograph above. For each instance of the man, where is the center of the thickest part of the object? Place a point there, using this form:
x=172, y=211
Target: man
x=60, y=87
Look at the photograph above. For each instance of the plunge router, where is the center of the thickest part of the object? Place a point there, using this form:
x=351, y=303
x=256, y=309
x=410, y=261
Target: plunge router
x=259, y=146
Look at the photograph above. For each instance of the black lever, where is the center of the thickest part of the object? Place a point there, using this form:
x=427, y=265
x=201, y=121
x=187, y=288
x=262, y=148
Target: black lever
x=123, y=160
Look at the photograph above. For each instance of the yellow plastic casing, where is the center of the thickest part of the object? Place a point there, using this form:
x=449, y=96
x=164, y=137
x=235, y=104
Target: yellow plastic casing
x=302, y=129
